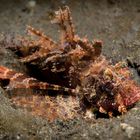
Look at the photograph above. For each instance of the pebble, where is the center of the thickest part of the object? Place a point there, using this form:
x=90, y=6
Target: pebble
x=31, y=4
x=128, y=129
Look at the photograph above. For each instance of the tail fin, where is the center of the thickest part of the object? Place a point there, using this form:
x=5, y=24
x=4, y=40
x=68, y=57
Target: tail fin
x=19, y=80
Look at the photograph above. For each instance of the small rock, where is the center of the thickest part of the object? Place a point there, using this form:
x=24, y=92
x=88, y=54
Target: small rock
x=127, y=128
x=31, y=4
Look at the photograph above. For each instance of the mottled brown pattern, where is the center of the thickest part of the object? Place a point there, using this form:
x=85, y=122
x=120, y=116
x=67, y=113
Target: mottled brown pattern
x=77, y=67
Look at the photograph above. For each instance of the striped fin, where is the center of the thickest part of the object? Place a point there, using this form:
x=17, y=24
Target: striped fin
x=19, y=80
x=33, y=31
x=64, y=19
x=45, y=44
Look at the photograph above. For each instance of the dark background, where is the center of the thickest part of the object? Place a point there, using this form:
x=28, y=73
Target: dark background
x=115, y=22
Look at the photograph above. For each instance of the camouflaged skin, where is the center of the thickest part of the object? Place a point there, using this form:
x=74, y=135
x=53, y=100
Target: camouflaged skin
x=91, y=81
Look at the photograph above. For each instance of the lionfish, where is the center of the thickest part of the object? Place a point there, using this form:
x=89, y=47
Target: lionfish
x=84, y=81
